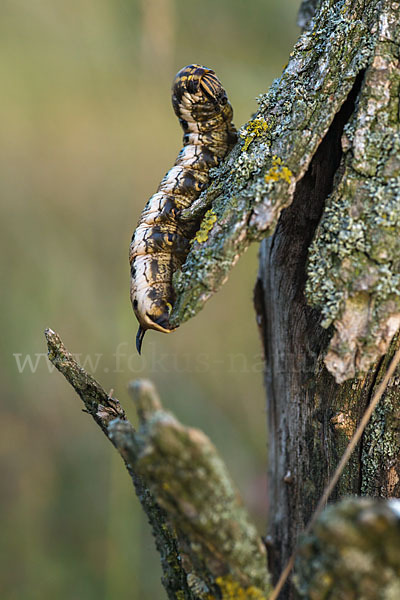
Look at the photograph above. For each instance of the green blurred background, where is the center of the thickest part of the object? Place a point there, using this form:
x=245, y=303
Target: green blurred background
x=87, y=132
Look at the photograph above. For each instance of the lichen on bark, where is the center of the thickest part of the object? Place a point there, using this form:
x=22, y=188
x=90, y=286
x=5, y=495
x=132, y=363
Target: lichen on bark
x=208, y=544
x=354, y=261
x=258, y=179
x=352, y=552
x=190, y=481
x=104, y=408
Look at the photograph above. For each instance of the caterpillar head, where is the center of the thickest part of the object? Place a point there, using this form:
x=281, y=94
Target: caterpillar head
x=152, y=311
x=195, y=84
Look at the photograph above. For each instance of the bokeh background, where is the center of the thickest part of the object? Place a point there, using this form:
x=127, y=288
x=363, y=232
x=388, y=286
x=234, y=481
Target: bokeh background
x=87, y=132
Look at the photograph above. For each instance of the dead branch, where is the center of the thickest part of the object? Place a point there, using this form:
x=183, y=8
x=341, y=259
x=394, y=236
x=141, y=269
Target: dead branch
x=208, y=544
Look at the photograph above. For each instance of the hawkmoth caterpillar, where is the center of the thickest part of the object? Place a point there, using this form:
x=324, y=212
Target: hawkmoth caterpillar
x=161, y=240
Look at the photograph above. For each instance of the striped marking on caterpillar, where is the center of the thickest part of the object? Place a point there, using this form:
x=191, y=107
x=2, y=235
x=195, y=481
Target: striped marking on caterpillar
x=161, y=240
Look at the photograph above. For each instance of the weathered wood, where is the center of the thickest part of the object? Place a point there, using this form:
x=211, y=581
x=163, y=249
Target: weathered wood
x=209, y=548
x=259, y=178
x=352, y=553
x=185, y=473
x=208, y=545
x=354, y=274
x=104, y=409
x=302, y=446
x=311, y=418
x=354, y=268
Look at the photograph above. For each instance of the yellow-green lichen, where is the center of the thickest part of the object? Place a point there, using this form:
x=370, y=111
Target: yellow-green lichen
x=278, y=172
x=252, y=130
x=232, y=590
x=206, y=225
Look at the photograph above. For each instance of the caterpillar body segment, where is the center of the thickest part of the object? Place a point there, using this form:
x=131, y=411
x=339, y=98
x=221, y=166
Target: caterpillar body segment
x=161, y=240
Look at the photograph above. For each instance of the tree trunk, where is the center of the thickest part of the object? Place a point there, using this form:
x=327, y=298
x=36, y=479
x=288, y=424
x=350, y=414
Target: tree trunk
x=311, y=417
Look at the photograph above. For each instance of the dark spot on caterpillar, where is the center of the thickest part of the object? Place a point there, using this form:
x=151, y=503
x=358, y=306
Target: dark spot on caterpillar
x=153, y=295
x=154, y=268
x=161, y=320
x=167, y=211
x=161, y=240
x=188, y=182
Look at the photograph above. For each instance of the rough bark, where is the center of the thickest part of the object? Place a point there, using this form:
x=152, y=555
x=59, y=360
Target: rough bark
x=104, y=409
x=316, y=174
x=208, y=545
x=311, y=417
x=349, y=50
x=353, y=553
x=354, y=269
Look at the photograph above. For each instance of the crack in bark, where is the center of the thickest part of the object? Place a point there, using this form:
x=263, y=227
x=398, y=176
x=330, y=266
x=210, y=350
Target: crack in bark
x=294, y=341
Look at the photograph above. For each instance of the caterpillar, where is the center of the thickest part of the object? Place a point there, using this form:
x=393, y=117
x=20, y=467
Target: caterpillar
x=161, y=240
